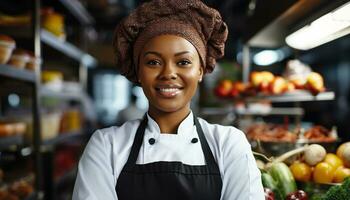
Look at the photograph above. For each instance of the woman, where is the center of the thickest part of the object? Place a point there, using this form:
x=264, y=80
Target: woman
x=166, y=46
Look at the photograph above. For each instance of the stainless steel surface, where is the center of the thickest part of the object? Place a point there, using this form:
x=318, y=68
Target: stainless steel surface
x=295, y=96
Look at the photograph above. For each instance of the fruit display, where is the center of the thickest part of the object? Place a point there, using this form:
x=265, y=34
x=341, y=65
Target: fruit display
x=281, y=133
x=266, y=83
x=310, y=167
x=318, y=166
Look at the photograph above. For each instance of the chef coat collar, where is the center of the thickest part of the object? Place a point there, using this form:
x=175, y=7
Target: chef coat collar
x=185, y=126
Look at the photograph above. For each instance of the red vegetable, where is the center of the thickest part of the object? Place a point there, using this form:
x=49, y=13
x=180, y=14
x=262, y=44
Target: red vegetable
x=297, y=195
x=269, y=194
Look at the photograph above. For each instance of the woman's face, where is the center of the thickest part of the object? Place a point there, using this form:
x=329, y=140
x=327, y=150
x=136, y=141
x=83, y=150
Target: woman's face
x=169, y=72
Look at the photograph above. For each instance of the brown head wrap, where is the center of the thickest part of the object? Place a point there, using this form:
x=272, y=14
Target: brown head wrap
x=190, y=19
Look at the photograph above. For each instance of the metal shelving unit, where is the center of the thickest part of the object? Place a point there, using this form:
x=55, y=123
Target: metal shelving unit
x=273, y=111
x=42, y=150
x=17, y=74
x=67, y=48
x=64, y=137
x=9, y=141
x=296, y=96
x=44, y=92
x=78, y=10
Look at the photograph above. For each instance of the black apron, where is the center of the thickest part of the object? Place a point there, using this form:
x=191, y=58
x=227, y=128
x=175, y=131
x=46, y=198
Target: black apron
x=169, y=180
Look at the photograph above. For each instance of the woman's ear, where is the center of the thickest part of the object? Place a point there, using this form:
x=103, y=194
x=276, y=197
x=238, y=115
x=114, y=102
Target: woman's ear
x=201, y=73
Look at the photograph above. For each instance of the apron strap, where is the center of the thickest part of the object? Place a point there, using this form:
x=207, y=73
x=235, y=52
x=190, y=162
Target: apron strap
x=135, y=149
x=208, y=155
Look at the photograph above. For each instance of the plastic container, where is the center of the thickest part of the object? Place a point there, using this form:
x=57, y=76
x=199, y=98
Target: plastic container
x=7, y=45
x=50, y=124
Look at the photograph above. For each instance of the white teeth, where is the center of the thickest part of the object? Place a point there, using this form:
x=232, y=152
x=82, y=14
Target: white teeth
x=168, y=89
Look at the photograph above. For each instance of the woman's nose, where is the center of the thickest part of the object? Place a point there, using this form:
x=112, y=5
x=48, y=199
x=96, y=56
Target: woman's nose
x=168, y=72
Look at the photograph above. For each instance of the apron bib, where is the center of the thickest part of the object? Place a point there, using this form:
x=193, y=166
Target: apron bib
x=169, y=180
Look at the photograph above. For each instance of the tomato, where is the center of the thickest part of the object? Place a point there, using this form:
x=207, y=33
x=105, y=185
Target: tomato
x=333, y=160
x=301, y=171
x=340, y=174
x=323, y=173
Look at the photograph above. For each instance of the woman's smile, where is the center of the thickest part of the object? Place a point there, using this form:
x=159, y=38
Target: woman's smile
x=168, y=91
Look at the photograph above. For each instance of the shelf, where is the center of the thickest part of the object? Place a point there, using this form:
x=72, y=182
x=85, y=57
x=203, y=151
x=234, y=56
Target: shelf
x=67, y=48
x=273, y=111
x=63, y=137
x=17, y=74
x=296, y=96
x=6, y=142
x=78, y=11
x=44, y=92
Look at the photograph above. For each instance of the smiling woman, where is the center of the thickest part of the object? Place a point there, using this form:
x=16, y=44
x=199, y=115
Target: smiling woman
x=166, y=47
x=169, y=72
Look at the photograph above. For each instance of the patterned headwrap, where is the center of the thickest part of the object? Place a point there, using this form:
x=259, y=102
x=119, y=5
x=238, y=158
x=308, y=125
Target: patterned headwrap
x=201, y=25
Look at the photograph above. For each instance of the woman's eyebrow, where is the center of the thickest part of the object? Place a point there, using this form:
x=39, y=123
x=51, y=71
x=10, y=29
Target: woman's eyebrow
x=182, y=52
x=152, y=52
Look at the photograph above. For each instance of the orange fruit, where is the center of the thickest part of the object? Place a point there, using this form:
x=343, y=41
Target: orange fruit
x=301, y=171
x=340, y=174
x=333, y=160
x=323, y=173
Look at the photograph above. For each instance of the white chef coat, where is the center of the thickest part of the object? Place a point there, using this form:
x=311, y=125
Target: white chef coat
x=108, y=150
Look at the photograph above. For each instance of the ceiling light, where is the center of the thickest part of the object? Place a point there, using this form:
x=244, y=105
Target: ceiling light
x=268, y=57
x=329, y=27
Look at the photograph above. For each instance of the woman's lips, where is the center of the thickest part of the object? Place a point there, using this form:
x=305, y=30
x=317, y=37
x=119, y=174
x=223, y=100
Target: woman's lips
x=168, y=92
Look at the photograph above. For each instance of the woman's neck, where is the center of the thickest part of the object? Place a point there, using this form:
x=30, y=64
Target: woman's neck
x=168, y=122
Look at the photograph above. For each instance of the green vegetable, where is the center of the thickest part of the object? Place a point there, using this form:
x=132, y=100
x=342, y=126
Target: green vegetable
x=285, y=180
x=316, y=197
x=339, y=192
x=269, y=182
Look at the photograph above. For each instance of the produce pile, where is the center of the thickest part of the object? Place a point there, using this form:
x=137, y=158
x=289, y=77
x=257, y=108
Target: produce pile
x=312, y=164
x=281, y=133
x=266, y=83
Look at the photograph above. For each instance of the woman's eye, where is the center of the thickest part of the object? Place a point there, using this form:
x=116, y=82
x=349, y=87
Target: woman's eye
x=184, y=62
x=153, y=62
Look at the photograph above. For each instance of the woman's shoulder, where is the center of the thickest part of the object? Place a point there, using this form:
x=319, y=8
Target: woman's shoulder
x=117, y=133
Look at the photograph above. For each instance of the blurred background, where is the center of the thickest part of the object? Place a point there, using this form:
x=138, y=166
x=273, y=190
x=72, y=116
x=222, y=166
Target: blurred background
x=285, y=78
